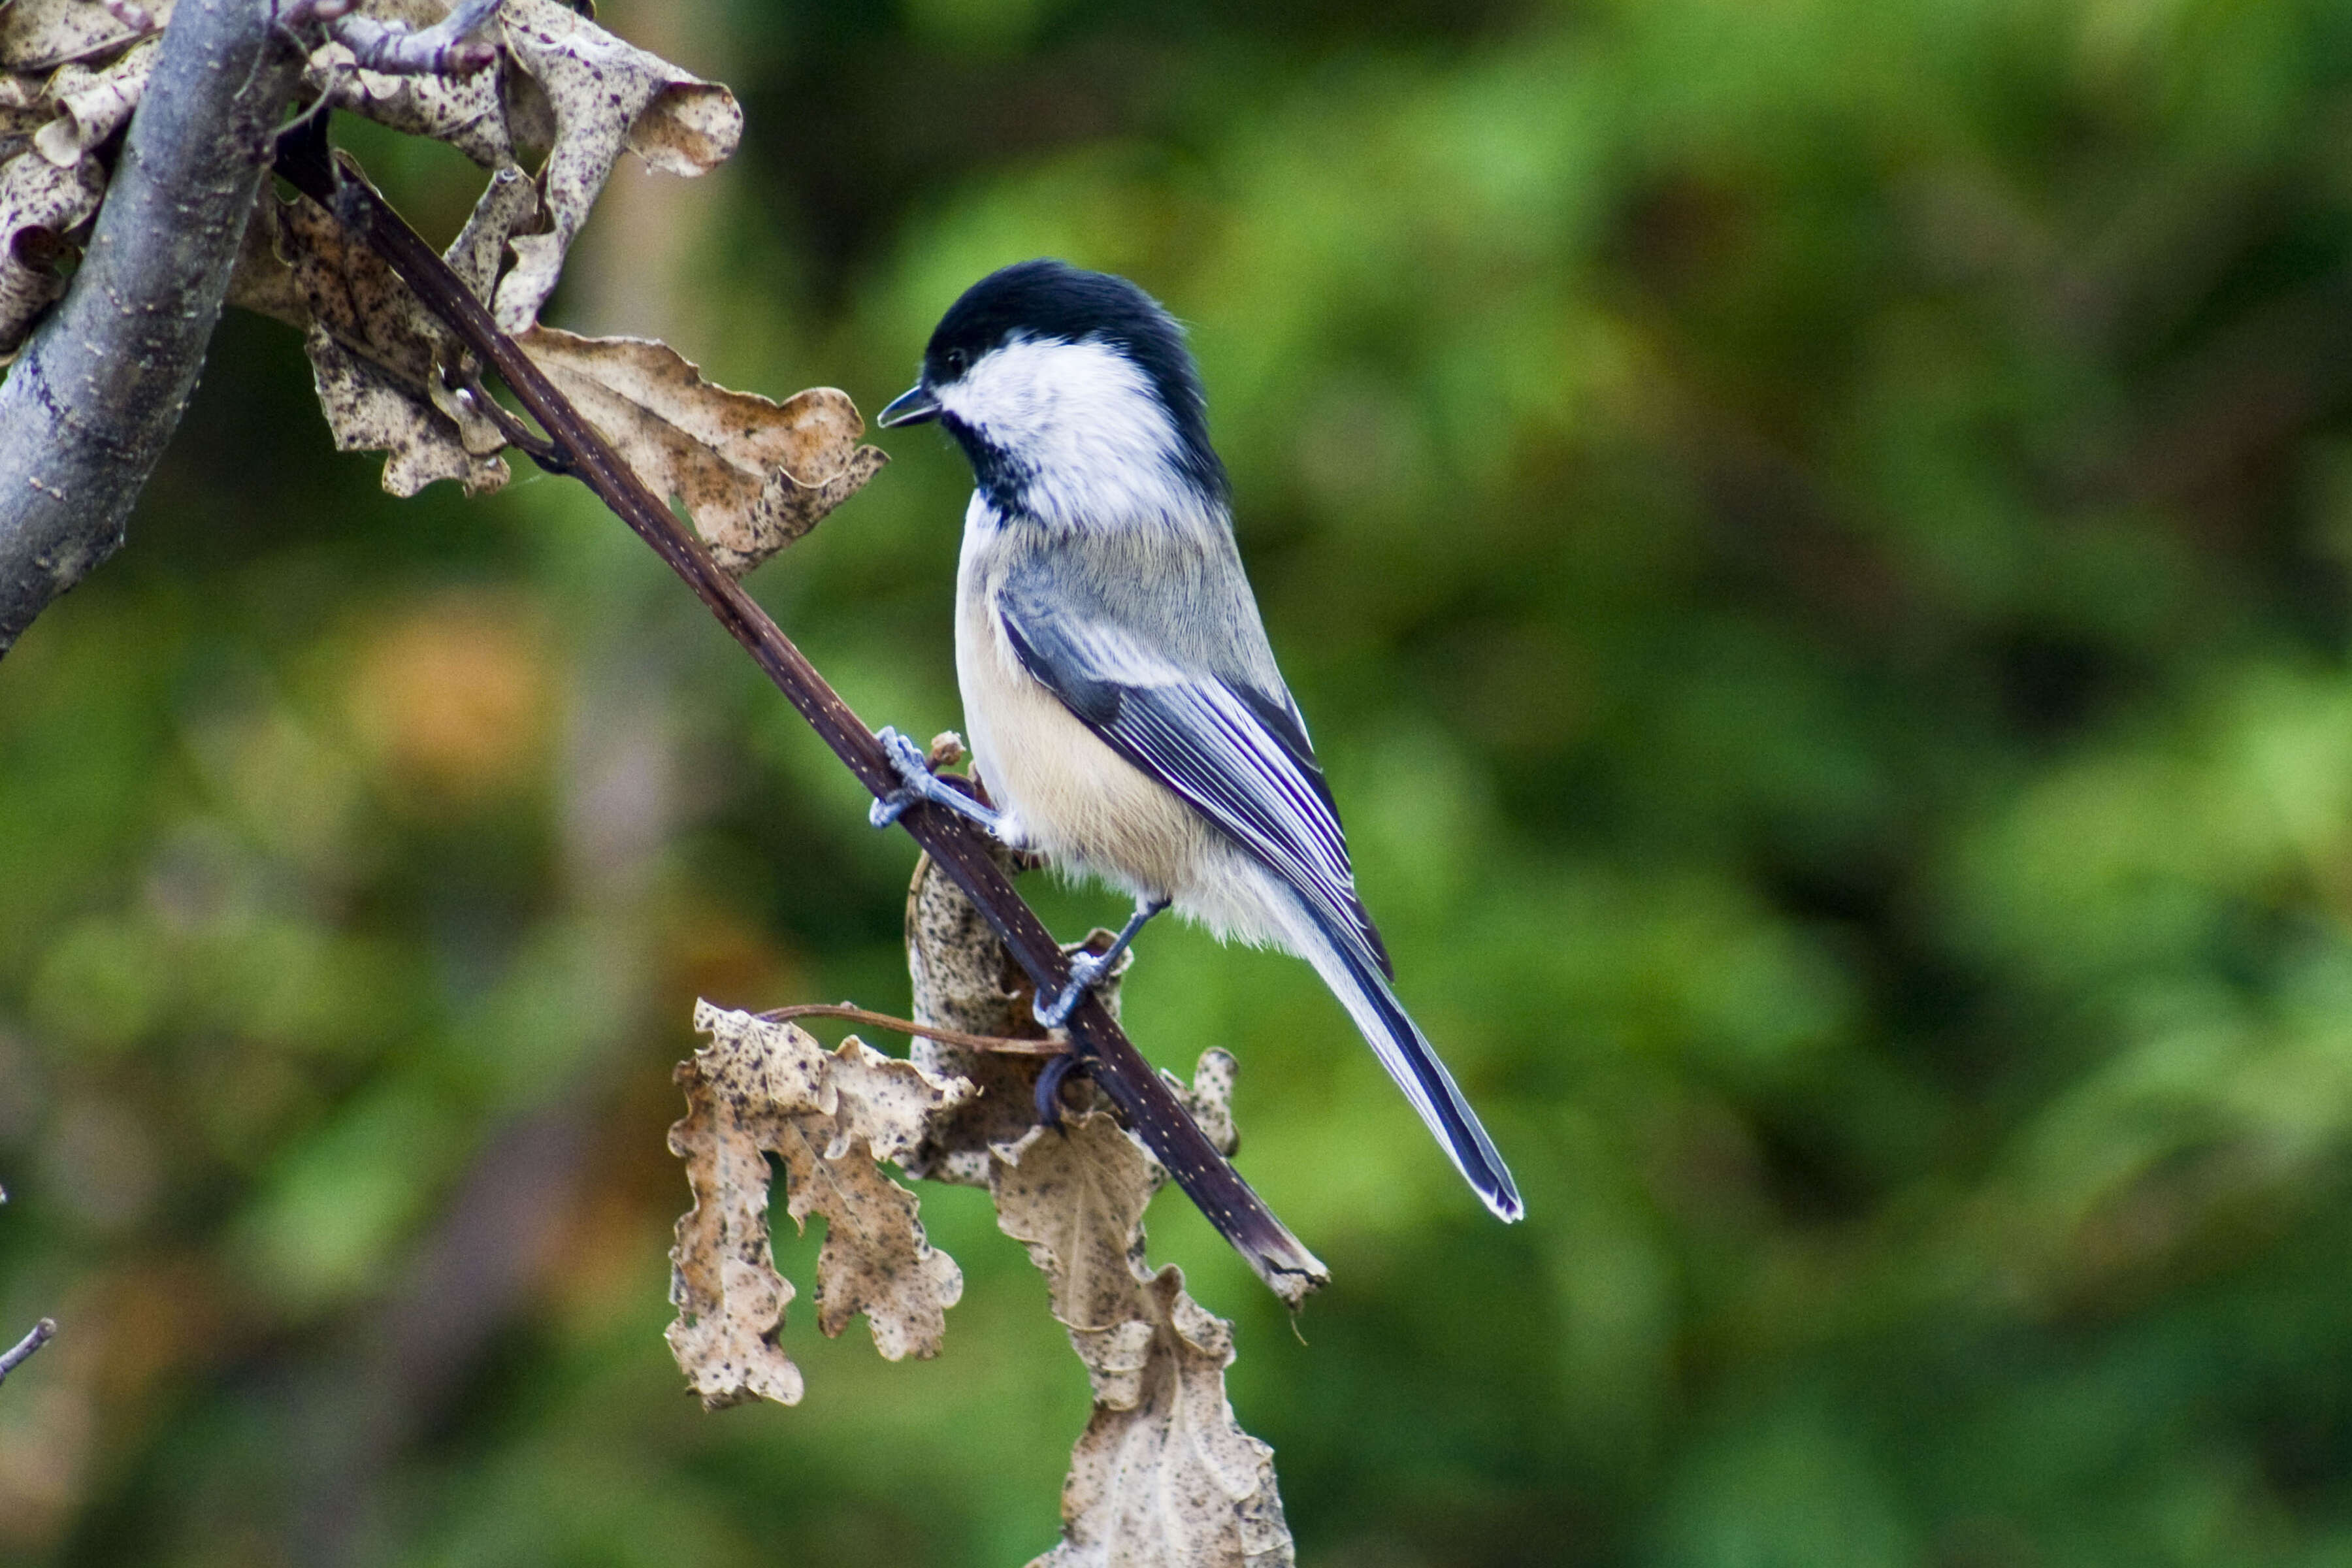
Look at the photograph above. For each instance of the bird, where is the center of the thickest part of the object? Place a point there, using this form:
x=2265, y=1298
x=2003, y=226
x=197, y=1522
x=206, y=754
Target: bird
x=1121, y=700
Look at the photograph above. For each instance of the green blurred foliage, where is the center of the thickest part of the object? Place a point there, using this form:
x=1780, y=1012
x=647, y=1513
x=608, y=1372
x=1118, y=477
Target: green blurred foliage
x=1814, y=538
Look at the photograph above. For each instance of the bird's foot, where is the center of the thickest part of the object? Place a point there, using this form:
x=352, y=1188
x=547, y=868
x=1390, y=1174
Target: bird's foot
x=916, y=782
x=1087, y=972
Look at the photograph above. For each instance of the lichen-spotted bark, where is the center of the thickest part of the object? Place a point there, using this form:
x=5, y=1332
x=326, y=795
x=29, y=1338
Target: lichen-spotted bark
x=91, y=399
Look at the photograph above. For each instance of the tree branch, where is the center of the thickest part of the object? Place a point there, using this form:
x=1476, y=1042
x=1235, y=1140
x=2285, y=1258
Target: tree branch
x=446, y=48
x=22, y=1351
x=1157, y=1117
x=91, y=401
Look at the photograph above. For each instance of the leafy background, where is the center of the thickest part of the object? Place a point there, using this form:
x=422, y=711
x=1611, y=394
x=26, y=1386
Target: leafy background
x=1815, y=537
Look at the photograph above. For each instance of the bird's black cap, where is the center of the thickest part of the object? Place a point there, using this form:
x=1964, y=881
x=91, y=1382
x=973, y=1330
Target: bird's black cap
x=1047, y=300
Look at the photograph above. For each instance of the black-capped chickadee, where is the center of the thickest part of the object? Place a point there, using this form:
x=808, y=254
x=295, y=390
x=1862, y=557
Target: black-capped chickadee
x=1121, y=700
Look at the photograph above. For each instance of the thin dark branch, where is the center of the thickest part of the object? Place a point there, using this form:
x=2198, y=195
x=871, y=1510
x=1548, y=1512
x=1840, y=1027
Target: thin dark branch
x=1004, y=1044
x=22, y=1351
x=1157, y=1117
x=448, y=47
x=89, y=405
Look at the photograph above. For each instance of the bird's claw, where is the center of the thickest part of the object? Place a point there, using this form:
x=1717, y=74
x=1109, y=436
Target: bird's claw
x=1087, y=972
x=1049, y=1087
x=916, y=782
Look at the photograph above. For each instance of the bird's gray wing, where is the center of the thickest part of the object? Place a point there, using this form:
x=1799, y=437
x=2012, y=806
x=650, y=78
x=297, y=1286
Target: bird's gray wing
x=1238, y=753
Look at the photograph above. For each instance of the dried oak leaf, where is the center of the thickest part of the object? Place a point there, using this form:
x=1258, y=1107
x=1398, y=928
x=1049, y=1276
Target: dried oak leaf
x=1074, y=1195
x=40, y=203
x=262, y=280
x=754, y=475
x=37, y=35
x=603, y=95
x=762, y=1088
x=965, y=979
x=376, y=356
x=91, y=103
x=1163, y=1475
x=468, y=112
x=24, y=108
x=1171, y=1480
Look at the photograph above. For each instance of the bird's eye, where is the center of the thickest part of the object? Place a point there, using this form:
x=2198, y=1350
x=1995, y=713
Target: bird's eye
x=955, y=362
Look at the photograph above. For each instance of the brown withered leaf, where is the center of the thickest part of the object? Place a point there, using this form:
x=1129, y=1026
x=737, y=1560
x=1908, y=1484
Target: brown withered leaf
x=375, y=358
x=1163, y=1475
x=1075, y=1196
x=468, y=112
x=754, y=474
x=263, y=281
x=768, y=1087
x=90, y=104
x=603, y=95
x=1170, y=1479
x=24, y=108
x=40, y=205
x=964, y=979
x=37, y=35
x=723, y=1281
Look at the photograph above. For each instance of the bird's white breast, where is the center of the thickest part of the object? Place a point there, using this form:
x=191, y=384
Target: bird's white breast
x=1070, y=797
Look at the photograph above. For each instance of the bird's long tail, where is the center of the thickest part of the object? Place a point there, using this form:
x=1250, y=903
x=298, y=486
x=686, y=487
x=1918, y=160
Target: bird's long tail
x=1405, y=1051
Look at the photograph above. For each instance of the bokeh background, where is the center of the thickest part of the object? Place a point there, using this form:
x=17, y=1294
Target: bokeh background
x=1814, y=538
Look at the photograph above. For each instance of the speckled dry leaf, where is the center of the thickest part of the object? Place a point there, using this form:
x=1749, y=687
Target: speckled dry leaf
x=875, y=1258
x=964, y=979
x=465, y=111
x=762, y=1088
x=375, y=358
x=40, y=203
x=753, y=475
x=262, y=280
x=35, y=35
x=1075, y=1196
x=1163, y=1476
x=604, y=95
x=730, y=1299
x=1170, y=1479
x=93, y=102
x=24, y=108
x=509, y=202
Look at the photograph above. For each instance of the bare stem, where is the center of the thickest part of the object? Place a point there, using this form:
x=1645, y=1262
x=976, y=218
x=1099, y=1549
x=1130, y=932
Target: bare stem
x=448, y=47
x=1157, y=1117
x=22, y=1351
x=1004, y=1044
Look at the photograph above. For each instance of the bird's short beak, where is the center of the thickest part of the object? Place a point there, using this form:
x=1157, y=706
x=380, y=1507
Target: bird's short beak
x=914, y=408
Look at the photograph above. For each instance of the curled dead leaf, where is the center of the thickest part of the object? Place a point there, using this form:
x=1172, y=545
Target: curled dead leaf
x=40, y=203
x=965, y=979
x=762, y=1088
x=468, y=112
x=91, y=103
x=603, y=95
x=24, y=108
x=38, y=34
x=1163, y=1475
x=754, y=475
x=1168, y=1478
x=376, y=359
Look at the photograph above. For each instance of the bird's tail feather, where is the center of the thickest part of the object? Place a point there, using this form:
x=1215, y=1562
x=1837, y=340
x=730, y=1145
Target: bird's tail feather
x=1406, y=1052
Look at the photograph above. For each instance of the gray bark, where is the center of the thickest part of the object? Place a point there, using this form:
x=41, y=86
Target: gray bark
x=89, y=405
